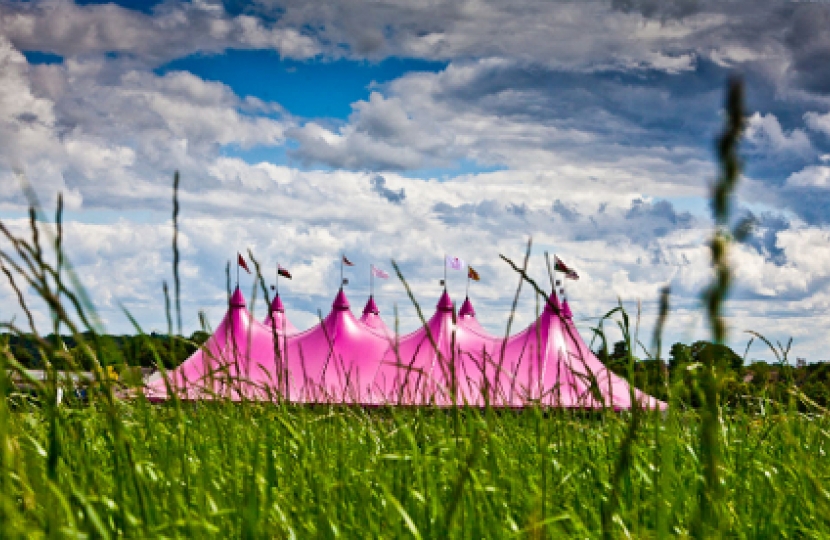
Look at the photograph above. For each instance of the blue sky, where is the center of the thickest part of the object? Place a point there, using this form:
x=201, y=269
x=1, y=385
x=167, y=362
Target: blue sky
x=317, y=88
x=399, y=131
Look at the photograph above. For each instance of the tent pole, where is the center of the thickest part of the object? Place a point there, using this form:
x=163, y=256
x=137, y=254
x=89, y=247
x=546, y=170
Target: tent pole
x=553, y=278
x=445, y=271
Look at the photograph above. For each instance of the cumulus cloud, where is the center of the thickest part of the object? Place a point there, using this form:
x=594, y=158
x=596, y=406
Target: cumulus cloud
x=764, y=131
x=818, y=122
x=812, y=176
x=588, y=126
x=171, y=31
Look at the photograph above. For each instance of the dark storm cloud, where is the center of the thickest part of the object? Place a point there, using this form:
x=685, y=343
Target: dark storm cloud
x=659, y=9
x=808, y=39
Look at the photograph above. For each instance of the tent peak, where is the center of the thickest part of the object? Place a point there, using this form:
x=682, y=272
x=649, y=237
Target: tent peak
x=371, y=306
x=553, y=304
x=467, y=308
x=237, y=300
x=276, y=304
x=341, y=303
x=444, y=303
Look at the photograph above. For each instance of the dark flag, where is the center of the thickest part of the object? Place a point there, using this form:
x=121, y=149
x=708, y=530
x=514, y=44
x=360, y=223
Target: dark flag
x=569, y=272
x=283, y=272
x=241, y=262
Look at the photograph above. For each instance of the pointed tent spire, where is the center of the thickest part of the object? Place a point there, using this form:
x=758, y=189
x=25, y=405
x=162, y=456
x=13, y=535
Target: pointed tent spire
x=467, y=309
x=444, y=303
x=237, y=300
x=371, y=307
x=371, y=317
x=554, y=304
x=341, y=303
x=278, y=318
x=276, y=304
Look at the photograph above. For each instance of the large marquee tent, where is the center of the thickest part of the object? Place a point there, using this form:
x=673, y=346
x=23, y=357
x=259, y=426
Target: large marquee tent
x=450, y=360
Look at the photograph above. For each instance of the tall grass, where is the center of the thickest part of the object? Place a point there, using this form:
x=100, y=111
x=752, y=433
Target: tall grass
x=117, y=466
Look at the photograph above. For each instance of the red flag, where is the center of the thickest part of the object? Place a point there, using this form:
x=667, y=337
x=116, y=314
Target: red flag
x=283, y=272
x=241, y=262
x=569, y=272
x=347, y=262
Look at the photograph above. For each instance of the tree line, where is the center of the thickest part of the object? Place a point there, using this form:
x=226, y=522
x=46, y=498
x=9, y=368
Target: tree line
x=740, y=383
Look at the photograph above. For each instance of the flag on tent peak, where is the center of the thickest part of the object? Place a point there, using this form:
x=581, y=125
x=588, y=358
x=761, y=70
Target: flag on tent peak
x=455, y=263
x=560, y=266
x=283, y=272
x=472, y=274
x=347, y=262
x=241, y=262
x=377, y=272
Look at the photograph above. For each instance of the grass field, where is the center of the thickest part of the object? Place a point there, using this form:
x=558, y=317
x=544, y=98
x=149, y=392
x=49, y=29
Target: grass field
x=225, y=470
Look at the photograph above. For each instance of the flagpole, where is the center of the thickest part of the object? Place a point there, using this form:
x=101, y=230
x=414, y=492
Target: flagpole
x=237, y=269
x=468, y=284
x=445, y=271
x=278, y=279
x=371, y=280
x=341, y=270
x=557, y=282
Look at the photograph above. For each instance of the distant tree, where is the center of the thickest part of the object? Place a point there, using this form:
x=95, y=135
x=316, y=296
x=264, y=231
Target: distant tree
x=679, y=354
x=620, y=350
x=721, y=356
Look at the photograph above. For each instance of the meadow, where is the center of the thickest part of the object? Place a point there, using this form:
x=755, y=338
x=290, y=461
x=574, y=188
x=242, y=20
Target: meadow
x=114, y=465
x=223, y=470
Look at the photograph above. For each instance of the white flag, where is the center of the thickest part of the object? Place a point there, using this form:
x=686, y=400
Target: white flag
x=455, y=263
x=377, y=272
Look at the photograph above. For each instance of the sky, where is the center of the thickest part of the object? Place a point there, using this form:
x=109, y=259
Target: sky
x=407, y=130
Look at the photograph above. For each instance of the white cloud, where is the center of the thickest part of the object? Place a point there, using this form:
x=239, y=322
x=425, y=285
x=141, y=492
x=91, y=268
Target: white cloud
x=766, y=134
x=172, y=31
x=817, y=176
x=109, y=133
x=818, y=122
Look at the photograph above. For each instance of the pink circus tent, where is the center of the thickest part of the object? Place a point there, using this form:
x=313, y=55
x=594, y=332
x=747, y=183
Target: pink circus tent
x=451, y=360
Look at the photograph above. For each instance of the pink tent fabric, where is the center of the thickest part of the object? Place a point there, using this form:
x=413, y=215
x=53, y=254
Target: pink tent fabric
x=336, y=360
x=239, y=353
x=436, y=363
x=451, y=360
x=548, y=363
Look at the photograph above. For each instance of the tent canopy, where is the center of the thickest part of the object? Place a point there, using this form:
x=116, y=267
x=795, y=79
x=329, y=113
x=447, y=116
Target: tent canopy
x=450, y=360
